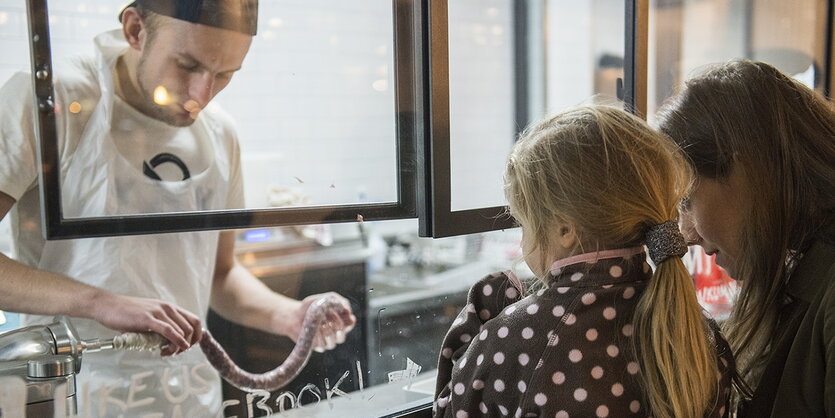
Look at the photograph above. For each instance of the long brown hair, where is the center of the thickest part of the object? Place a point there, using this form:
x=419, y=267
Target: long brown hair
x=749, y=116
x=609, y=175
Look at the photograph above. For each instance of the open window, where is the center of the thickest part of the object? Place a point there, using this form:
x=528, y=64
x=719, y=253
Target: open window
x=493, y=71
x=326, y=108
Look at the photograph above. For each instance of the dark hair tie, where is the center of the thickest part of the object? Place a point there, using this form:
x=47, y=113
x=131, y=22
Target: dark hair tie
x=664, y=241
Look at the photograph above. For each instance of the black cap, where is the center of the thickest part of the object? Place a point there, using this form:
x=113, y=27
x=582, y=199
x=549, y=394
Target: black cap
x=237, y=15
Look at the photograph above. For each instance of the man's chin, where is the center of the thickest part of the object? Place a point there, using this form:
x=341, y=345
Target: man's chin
x=179, y=120
x=182, y=122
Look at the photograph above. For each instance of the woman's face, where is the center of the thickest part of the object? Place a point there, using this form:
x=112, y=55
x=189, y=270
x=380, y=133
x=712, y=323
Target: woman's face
x=712, y=217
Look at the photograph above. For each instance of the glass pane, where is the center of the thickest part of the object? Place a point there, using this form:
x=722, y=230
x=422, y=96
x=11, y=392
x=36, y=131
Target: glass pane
x=405, y=292
x=584, y=52
x=13, y=38
x=687, y=34
x=572, y=52
x=13, y=42
x=312, y=108
x=481, y=100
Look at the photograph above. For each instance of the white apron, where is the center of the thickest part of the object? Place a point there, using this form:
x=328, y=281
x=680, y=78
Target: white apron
x=172, y=267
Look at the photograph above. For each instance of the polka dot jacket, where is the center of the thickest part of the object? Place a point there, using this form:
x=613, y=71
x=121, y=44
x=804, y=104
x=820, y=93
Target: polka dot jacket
x=563, y=351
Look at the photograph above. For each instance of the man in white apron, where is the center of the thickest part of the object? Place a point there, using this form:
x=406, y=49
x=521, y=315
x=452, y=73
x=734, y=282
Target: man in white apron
x=142, y=102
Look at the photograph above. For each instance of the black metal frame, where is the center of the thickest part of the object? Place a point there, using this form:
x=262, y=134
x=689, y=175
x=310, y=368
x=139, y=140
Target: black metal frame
x=521, y=58
x=826, y=55
x=635, y=58
x=827, y=45
x=408, y=110
x=422, y=95
x=419, y=411
x=437, y=219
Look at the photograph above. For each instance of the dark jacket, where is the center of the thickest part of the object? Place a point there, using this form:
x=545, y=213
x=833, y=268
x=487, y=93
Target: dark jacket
x=565, y=350
x=799, y=378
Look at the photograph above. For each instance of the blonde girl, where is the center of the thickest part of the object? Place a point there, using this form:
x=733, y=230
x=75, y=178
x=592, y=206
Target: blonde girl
x=605, y=335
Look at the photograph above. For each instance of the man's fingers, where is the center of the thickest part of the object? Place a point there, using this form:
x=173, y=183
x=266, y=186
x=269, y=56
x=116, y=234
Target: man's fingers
x=347, y=317
x=167, y=350
x=174, y=338
x=175, y=316
x=319, y=343
x=328, y=342
x=196, y=326
x=334, y=321
x=349, y=320
x=198, y=334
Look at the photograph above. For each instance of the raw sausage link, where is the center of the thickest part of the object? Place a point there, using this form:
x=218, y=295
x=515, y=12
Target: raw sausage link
x=279, y=377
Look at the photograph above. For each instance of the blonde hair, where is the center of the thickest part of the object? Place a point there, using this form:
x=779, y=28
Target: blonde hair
x=748, y=116
x=605, y=172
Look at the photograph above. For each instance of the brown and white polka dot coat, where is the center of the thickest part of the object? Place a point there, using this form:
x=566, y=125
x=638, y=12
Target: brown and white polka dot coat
x=564, y=351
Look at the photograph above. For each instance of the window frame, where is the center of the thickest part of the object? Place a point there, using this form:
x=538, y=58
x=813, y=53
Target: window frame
x=408, y=109
x=437, y=219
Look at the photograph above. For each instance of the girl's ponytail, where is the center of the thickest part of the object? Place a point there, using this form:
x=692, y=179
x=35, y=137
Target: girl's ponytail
x=678, y=363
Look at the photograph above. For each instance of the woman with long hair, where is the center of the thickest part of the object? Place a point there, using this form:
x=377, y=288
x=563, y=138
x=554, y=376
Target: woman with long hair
x=762, y=146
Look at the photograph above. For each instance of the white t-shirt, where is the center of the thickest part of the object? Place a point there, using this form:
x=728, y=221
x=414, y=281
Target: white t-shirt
x=138, y=137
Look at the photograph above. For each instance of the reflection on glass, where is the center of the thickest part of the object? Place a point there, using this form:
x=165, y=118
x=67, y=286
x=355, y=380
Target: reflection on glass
x=688, y=34
x=572, y=53
x=318, y=115
x=405, y=291
x=313, y=106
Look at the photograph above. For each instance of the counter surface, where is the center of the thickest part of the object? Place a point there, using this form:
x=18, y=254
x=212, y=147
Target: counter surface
x=378, y=401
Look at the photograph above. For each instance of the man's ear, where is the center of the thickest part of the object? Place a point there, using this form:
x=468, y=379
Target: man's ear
x=133, y=27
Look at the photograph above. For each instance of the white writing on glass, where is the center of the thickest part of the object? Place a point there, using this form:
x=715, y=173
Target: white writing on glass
x=13, y=395
x=193, y=383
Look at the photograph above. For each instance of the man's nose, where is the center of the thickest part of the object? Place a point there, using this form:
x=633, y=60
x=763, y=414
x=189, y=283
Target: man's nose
x=687, y=225
x=202, y=88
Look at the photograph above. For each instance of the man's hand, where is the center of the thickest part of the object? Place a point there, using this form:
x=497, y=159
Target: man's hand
x=332, y=331
x=131, y=314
